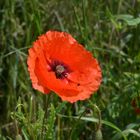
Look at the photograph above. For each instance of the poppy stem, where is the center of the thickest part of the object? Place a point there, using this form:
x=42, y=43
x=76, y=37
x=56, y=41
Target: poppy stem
x=98, y=133
x=75, y=124
x=46, y=112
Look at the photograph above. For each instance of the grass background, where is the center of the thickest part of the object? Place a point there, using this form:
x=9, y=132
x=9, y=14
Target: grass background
x=110, y=30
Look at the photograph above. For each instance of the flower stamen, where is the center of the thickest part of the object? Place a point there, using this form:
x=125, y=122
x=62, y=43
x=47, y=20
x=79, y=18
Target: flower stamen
x=59, y=69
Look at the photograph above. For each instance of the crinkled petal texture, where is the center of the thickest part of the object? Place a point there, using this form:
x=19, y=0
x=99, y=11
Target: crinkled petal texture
x=84, y=73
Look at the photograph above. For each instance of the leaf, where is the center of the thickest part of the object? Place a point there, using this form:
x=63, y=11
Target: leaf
x=131, y=131
x=106, y=123
x=25, y=135
x=126, y=132
x=92, y=119
x=137, y=57
x=129, y=19
x=60, y=107
x=132, y=125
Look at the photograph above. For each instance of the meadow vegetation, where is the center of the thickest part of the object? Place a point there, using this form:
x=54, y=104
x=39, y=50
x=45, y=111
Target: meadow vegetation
x=110, y=29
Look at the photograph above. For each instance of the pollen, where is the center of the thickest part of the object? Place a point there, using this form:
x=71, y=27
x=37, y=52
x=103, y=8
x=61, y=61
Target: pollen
x=59, y=69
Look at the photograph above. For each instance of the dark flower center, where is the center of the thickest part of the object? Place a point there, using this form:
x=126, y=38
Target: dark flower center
x=59, y=69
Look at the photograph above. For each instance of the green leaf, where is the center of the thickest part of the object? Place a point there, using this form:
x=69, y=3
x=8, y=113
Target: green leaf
x=26, y=137
x=129, y=19
x=132, y=125
x=92, y=119
x=106, y=123
x=126, y=132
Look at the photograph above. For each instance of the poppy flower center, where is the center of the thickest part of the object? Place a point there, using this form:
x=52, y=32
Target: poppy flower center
x=59, y=69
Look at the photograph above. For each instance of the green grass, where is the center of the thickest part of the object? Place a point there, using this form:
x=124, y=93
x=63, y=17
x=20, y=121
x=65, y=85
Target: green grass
x=110, y=30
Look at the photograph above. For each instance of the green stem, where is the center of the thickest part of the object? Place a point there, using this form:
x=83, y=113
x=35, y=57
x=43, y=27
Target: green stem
x=45, y=115
x=98, y=133
x=74, y=126
x=59, y=129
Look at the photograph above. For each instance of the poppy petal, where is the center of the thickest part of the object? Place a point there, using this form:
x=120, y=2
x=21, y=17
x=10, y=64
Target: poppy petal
x=65, y=48
x=48, y=79
x=31, y=66
x=80, y=73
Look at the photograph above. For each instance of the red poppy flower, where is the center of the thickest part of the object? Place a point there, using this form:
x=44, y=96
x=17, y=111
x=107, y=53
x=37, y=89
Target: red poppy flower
x=136, y=105
x=56, y=62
